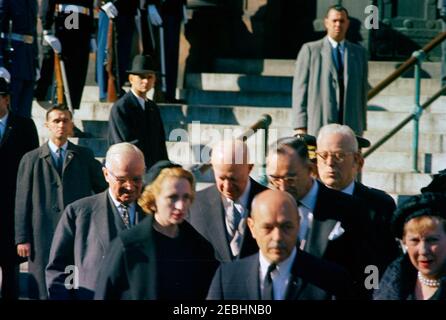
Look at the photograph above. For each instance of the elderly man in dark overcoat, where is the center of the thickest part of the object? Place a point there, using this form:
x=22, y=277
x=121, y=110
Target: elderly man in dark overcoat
x=50, y=178
x=87, y=226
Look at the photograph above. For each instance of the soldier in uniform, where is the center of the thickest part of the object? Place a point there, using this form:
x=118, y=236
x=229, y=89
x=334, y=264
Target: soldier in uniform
x=73, y=29
x=18, y=51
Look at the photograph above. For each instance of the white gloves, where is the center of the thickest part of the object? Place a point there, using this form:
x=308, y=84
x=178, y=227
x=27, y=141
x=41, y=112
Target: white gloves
x=110, y=9
x=5, y=74
x=53, y=42
x=37, y=74
x=185, y=18
x=154, y=16
x=93, y=45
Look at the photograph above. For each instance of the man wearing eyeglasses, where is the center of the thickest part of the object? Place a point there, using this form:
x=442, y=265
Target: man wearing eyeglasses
x=88, y=225
x=333, y=224
x=339, y=161
x=50, y=178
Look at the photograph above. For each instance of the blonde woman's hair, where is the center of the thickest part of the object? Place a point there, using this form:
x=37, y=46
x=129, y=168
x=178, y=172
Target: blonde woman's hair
x=147, y=200
x=423, y=224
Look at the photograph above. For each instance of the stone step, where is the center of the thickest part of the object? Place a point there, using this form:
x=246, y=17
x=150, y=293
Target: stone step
x=402, y=141
x=388, y=161
x=283, y=67
x=406, y=103
x=282, y=84
x=401, y=183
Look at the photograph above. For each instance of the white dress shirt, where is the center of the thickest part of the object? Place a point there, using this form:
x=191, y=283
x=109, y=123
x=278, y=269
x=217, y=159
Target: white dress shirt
x=280, y=276
x=131, y=208
x=334, y=46
x=142, y=101
x=306, y=209
x=241, y=204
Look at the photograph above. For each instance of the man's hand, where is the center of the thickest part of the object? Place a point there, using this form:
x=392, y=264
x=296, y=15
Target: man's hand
x=300, y=131
x=110, y=10
x=154, y=16
x=4, y=73
x=24, y=249
x=52, y=41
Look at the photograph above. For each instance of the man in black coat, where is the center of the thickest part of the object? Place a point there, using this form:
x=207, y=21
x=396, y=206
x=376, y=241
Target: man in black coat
x=88, y=225
x=50, y=178
x=339, y=162
x=136, y=119
x=280, y=271
x=18, y=135
x=334, y=225
x=212, y=213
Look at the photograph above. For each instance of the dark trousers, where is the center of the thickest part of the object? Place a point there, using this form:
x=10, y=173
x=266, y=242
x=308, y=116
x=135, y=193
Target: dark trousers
x=22, y=92
x=125, y=27
x=172, y=25
x=10, y=281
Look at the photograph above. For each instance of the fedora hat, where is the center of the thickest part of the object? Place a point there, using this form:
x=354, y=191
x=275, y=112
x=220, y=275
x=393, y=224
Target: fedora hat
x=142, y=64
x=4, y=87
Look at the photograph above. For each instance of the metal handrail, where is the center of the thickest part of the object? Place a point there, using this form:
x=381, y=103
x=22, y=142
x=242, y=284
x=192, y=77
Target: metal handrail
x=263, y=123
x=405, y=66
x=404, y=122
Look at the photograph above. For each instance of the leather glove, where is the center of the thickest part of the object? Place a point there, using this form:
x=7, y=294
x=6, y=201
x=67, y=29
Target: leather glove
x=154, y=16
x=93, y=45
x=52, y=41
x=185, y=17
x=110, y=9
x=4, y=73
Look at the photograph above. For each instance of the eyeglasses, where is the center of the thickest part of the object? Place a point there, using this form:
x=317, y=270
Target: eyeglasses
x=122, y=180
x=289, y=180
x=337, y=157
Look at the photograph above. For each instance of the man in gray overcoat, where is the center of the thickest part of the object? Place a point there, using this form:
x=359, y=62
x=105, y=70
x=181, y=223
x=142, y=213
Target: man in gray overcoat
x=50, y=178
x=330, y=80
x=88, y=225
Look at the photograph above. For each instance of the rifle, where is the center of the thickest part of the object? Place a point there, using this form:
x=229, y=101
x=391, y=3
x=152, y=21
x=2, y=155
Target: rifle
x=112, y=81
x=59, y=80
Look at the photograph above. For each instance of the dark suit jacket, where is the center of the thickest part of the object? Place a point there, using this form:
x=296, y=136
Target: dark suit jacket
x=380, y=207
x=143, y=128
x=20, y=137
x=311, y=279
x=207, y=216
x=352, y=249
x=130, y=270
x=82, y=237
x=42, y=196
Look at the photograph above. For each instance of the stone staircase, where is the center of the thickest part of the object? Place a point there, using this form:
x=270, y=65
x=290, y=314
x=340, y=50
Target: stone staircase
x=240, y=91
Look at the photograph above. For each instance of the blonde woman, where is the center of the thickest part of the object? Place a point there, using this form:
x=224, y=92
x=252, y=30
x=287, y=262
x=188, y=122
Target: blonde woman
x=163, y=257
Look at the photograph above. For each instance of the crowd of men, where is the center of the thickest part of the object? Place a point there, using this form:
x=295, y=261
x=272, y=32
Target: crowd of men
x=310, y=234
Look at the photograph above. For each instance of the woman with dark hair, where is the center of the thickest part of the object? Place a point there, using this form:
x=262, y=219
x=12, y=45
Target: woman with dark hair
x=420, y=274
x=162, y=257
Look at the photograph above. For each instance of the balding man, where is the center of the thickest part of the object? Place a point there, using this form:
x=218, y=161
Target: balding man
x=279, y=271
x=339, y=161
x=219, y=212
x=88, y=225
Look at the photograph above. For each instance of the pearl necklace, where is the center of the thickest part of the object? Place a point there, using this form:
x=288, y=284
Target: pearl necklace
x=428, y=282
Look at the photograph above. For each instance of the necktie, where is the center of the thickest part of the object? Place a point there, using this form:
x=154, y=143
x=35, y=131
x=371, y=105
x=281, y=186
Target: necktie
x=236, y=229
x=125, y=215
x=59, y=160
x=268, y=291
x=340, y=70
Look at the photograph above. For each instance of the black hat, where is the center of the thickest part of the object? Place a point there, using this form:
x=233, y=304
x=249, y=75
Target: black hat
x=362, y=142
x=156, y=169
x=142, y=64
x=426, y=204
x=4, y=87
x=310, y=141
